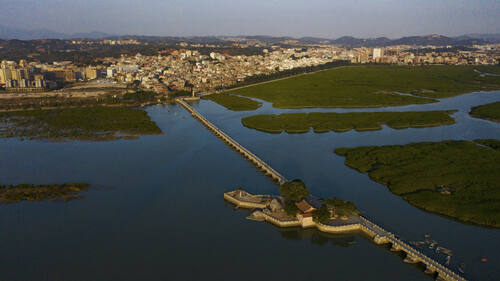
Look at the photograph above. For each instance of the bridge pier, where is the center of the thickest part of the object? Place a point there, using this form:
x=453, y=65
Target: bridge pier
x=380, y=239
x=429, y=269
x=411, y=259
x=395, y=248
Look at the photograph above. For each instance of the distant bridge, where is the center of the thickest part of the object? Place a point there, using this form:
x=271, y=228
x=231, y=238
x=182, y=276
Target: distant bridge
x=231, y=142
x=379, y=235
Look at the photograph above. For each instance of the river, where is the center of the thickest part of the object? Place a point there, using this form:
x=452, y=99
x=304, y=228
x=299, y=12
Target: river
x=155, y=210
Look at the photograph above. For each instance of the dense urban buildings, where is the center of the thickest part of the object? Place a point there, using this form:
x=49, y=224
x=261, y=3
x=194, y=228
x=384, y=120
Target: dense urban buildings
x=187, y=68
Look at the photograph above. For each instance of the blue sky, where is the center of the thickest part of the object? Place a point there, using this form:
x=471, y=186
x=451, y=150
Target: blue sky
x=322, y=18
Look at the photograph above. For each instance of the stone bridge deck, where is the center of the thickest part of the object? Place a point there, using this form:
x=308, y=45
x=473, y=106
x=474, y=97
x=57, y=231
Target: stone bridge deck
x=231, y=142
x=382, y=236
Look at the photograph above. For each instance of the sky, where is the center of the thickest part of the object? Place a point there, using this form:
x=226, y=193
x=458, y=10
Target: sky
x=319, y=18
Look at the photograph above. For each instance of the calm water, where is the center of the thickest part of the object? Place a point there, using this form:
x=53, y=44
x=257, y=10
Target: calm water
x=164, y=217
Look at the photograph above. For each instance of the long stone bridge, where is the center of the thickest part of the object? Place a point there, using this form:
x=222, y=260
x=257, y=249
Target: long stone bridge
x=382, y=236
x=379, y=235
x=234, y=144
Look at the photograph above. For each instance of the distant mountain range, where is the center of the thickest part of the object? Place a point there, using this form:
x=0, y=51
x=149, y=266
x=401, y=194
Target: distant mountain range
x=8, y=33
x=434, y=40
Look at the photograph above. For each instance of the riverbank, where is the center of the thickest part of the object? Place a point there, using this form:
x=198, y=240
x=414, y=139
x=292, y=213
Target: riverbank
x=488, y=112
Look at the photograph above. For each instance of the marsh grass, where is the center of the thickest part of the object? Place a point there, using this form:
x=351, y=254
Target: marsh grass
x=29, y=192
x=88, y=123
x=343, y=122
x=373, y=86
x=488, y=111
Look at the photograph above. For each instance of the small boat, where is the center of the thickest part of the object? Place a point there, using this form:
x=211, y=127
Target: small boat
x=461, y=268
x=444, y=250
x=447, y=263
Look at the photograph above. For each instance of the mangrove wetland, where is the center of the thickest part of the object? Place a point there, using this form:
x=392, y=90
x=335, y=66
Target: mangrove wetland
x=373, y=86
x=459, y=179
x=343, y=122
x=86, y=123
x=488, y=111
x=42, y=192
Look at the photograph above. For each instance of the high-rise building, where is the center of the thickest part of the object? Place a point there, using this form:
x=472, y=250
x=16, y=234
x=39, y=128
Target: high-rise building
x=69, y=75
x=91, y=73
x=378, y=53
x=110, y=72
x=5, y=75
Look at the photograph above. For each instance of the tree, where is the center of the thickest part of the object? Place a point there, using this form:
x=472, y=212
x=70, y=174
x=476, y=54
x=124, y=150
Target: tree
x=294, y=191
x=321, y=215
x=341, y=207
x=291, y=209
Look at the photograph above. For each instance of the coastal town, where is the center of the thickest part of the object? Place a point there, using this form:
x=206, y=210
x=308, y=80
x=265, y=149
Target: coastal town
x=185, y=67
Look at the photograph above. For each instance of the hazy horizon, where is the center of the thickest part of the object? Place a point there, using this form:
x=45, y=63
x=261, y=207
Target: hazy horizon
x=316, y=18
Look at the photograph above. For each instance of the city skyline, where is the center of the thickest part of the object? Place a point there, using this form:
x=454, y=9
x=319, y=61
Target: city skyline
x=318, y=18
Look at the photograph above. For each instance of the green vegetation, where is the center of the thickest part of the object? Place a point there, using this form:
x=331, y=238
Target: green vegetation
x=373, y=86
x=91, y=123
x=30, y=192
x=460, y=179
x=341, y=207
x=176, y=94
x=287, y=73
x=488, y=111
x=342, y=122
x=232, y=102
x=294, y=190
x=322, y=215
x=334, y=206
x=139, y=96
x=290, y=208
x=491, y=143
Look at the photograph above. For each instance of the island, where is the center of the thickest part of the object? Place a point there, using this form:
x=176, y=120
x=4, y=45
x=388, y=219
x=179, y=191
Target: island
x=29, y=192
x=297, y=208
x=488, y=111
x=458, y=179
x=343, y=122
x=372, y=86
x=84, y=123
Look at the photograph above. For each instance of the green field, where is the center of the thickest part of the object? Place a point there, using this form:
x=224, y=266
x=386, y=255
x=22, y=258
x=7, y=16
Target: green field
x=30, y=192
x=88, y=123
x=233, y=102
x=488, y=111
x=342, y=122
x=372, y=86
x=459, y=179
